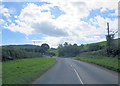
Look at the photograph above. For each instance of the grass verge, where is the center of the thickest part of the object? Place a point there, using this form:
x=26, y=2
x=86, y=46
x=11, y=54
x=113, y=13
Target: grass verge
x=0, y=73
x=110, y=63
x=23, y=71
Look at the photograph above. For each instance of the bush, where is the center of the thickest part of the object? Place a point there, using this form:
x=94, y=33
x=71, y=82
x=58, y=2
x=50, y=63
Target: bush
x=9, y=53
x=94, y=47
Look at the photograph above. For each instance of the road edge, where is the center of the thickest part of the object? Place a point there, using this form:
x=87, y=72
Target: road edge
x=44, y=72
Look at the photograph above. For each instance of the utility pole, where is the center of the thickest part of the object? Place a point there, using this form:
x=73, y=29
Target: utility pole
x=110, y=42
x=34, y=42
x=108, y=28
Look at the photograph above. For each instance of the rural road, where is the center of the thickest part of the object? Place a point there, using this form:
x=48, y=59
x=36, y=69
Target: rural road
x=70, y=71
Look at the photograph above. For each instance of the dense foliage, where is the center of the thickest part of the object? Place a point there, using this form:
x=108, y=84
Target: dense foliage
x=89, y=50
x=68, y=50
x=23, y=51
x=111, y=48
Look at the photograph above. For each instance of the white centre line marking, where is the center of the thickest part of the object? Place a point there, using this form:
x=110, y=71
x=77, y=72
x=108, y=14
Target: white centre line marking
x=77, y=74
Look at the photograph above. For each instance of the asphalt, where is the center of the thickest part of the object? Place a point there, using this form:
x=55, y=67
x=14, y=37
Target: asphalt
x=70, y=71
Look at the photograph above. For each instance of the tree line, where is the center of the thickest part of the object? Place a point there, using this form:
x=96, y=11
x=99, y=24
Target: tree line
x=110, y=49
x=24, y=51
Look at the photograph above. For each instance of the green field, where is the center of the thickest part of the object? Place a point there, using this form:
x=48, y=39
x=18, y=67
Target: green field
x=111, y=63
x=117, y=42
x=104, y=42
x=24, y=71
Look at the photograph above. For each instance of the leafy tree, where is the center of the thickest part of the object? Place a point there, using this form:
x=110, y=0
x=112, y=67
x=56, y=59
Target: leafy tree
x=110, y=46
x=44, y=47
x=82, y=46
x=68, y=50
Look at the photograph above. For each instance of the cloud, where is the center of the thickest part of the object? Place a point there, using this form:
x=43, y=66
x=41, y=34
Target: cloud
x=47, y=28
x=101, y=22
x=22, y=29
x=15, y=16
x=1, y=21
x=68, y=26
x=94, y=38
x=103, y=9
x=34, y=21
x=4, y=11
x=9, y=20
x=37, y=40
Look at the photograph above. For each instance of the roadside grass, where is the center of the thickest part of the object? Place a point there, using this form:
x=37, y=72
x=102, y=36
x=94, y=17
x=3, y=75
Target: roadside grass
x=110, y=63
x=24, y=71
x=0, y=73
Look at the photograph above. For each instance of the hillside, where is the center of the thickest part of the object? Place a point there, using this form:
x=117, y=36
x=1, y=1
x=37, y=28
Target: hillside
x=117, y=42
x=104, y=42
x=21, y=46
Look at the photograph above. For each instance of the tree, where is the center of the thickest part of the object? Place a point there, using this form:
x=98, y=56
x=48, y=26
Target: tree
x=82, y=46
x=68, y=50
x=110, y=46
x=45, y=47
x=65, y=44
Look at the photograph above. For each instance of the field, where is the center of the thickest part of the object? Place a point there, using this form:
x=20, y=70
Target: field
x=104, y=42
x=23, y=71
x=117, y=42
x=110, y=63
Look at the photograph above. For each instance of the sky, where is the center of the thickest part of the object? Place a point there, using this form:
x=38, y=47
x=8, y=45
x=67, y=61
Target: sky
x=57, y=21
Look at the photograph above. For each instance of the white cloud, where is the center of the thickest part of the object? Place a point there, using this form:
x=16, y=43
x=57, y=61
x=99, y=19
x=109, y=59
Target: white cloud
x=94, y=38
x=1, y=21
x=103, y=9
x=47, y=28
x=36, y=22
x=68, y=26
x=4, y=11
x=22, y=28
x=15, y=16
x=36, y=40
x=113, y=24
x=9, y=20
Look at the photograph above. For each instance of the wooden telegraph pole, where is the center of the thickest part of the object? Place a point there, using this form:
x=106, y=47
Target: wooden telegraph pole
x=34, y=42
x=108, y=37
x=108, y=28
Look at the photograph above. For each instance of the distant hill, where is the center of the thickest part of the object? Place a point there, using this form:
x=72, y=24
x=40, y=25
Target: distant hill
x=21, y=46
